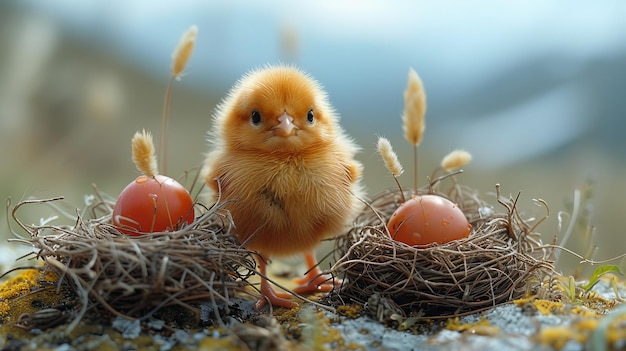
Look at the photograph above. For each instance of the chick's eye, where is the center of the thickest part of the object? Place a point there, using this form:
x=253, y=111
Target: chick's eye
x=309, y=116
x=255, y=118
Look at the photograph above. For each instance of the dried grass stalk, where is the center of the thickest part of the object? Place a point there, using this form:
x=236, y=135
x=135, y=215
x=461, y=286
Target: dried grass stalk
x=502, y=259
x=134, y=276
x=180, y=56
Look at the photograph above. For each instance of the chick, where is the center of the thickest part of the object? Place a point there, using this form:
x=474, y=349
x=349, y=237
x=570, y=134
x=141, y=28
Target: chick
x=285, y=170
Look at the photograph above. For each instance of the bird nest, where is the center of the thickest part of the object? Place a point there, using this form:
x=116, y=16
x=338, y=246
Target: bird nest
x=502, y=259
x=135, y=276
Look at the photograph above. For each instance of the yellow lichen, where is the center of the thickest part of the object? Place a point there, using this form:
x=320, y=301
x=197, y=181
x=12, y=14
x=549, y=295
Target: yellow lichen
x=17, y=286
x=547, y=307
x=482, y=327
x=209, y=343
x=286, y=315
x=616, y=334
x=350, y=311
x=597, y=303
x=4, y=308
x=50, y=277
x=522, y=302
x=20, y=284
x=584, y=312
x=589, y=324
x=18, y=293
x=320, y=335
x=558, y=337
x=581, y=330
x=617, y=330
x=18, y=333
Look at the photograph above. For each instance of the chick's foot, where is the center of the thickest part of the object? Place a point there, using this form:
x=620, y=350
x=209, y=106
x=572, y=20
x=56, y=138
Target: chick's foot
x=314, y=281
x=280, y=299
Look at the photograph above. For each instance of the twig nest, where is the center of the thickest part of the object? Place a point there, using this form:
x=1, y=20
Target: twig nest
x=502, y=259
x=135, y=276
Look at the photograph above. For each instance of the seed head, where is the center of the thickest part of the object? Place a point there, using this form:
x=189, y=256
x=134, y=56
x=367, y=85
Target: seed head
x=389, y=157
x=455, y=159
x=183, y=51
x=414, y=109
x=143, y=153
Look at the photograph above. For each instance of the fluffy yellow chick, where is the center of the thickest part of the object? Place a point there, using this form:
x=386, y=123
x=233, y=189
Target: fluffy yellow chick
x=285, y=169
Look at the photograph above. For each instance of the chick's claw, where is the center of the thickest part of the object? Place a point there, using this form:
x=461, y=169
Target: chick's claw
x=280, y=299
x=314, y=281
x=317, y=283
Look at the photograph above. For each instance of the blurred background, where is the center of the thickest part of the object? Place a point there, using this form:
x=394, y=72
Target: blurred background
x=534, y=90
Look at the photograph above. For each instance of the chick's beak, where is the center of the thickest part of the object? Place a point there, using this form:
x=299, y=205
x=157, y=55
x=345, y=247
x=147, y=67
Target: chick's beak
x=285, y=128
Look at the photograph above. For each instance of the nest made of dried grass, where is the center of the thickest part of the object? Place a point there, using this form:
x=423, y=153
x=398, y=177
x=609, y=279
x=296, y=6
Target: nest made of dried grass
x=502, y=259
x=134, y=276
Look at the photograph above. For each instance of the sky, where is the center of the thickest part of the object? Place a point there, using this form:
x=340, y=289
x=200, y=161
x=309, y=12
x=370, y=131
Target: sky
x=362, y=50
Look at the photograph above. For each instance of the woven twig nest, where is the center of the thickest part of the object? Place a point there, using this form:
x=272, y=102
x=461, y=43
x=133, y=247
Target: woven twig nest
x=134, y=276
x=502, y=259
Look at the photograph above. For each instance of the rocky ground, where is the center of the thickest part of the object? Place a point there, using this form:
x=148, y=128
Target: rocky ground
x=594, y=320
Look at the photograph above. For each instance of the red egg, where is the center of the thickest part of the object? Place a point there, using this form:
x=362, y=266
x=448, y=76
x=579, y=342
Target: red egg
x=152, y=204
x=428, y=219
